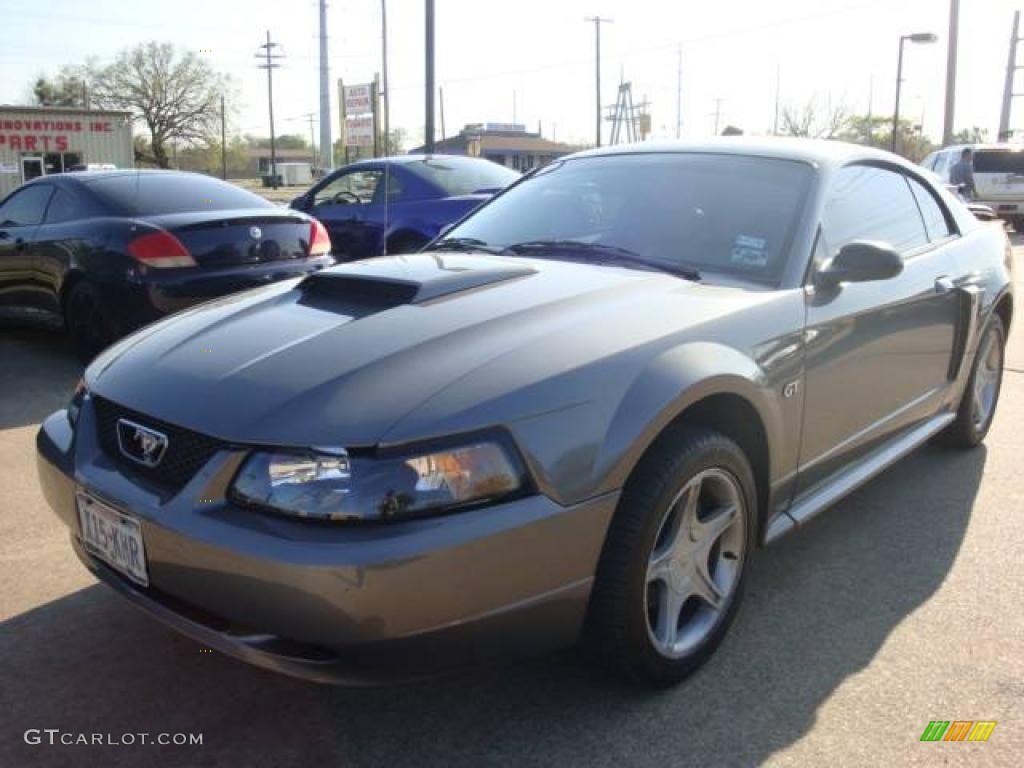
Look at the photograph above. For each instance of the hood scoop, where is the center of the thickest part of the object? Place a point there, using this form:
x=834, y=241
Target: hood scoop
x=387, y=282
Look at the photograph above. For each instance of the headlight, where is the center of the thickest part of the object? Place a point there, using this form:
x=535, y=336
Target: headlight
x=331, y=484
x=75, y=404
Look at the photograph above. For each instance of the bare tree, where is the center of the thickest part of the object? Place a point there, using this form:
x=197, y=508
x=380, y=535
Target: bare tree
x=175, y=94
x=814, y=121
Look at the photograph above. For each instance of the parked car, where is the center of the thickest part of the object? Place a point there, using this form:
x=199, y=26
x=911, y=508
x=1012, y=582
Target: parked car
x=573, y=417
x=110, y=251
x=998, y=176
x=424, y=194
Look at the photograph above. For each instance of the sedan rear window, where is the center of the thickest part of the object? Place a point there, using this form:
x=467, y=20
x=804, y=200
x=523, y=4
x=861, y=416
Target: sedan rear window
x=463, y=176
x=708, y=212
x=999, y=161
x=154, y=193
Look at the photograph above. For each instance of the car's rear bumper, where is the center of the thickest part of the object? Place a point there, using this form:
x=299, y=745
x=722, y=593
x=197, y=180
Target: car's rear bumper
x=158, y=293
x=348, y=604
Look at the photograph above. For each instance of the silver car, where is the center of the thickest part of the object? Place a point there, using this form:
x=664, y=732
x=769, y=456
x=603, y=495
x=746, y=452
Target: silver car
x=571, y=418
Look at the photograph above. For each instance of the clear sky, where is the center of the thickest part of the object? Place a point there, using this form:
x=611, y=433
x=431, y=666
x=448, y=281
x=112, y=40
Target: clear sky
x=539, y=56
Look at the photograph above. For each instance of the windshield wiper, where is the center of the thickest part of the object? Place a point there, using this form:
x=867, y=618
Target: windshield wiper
x=610, y=253
x=462, y=244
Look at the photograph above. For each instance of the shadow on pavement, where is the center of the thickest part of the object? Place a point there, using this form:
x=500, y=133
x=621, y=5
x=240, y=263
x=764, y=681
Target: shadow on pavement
x=821, y=604
x=38, y=371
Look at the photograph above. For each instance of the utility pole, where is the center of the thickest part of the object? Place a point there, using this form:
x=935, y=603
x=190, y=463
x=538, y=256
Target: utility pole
x=1011, y=70
x=717, y=113
x=954, y=31
x=385, y=94
x=513, y=106
x=311, y=116
x=443, y=134
x=679, y=92
x=429, y=130
x=598, y=21
x=326, y=144
x=270, y=60
x=223, y=142
x=778, y=94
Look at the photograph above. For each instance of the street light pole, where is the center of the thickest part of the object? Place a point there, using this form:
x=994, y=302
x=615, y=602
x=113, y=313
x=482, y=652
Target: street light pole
x=896, y=110
x=918, y=37
x=429, y=131
x=598, y=21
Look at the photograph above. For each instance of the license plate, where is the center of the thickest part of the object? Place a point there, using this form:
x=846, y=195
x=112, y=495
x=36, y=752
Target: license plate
x=113, y=537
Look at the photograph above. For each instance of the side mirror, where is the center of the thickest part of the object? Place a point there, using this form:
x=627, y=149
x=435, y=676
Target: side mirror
x=300, y=203
x=859, y=262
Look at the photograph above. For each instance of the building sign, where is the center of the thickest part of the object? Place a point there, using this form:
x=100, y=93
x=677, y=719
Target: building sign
x=358, y=99
x=8, y=168
x=359, y=131
x=47, y=135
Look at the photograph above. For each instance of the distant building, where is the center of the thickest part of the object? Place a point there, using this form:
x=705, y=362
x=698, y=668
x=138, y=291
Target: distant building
x=506, y=144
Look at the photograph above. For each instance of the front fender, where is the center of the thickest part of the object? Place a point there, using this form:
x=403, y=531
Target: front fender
x=672, y=382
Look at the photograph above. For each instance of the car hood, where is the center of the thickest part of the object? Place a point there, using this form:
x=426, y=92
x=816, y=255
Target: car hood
x=340, y=357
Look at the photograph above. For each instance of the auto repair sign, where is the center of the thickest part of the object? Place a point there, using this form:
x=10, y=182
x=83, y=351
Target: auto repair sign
x=358, y=99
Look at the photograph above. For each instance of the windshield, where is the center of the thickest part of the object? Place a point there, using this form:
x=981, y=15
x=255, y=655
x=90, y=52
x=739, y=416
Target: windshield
x=155, y=192
x=706, y=212
x=999, y=161
x=463, y=175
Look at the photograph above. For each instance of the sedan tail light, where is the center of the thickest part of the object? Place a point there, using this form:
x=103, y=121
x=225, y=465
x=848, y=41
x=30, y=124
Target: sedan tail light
x=160, y=249
x=319, y=240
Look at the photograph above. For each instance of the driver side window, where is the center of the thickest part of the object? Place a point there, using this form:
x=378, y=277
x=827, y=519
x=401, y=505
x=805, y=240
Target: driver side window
x=870, y=203
x=355, y=188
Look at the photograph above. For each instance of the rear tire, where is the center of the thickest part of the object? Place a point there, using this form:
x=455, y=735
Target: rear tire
x=87, y=322
x=672, y=573
x=981, y=395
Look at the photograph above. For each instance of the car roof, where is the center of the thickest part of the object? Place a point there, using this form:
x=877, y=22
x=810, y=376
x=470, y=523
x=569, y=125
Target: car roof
x=410, y=159
x=818, y=152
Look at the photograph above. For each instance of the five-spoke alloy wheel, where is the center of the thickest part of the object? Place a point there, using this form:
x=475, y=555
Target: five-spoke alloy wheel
x=672, y=571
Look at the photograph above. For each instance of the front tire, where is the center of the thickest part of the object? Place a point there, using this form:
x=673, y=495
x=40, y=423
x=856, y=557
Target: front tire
x=673, y=568
x=981, y=395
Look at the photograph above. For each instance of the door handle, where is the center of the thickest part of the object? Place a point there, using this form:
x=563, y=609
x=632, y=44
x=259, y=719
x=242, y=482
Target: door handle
x=944, y=284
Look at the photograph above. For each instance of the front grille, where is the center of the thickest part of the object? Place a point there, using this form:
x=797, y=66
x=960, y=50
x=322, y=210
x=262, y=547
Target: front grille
x=187, y=451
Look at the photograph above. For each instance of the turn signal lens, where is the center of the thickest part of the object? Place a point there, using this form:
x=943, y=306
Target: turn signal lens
x=160, y=249
x=319, y=240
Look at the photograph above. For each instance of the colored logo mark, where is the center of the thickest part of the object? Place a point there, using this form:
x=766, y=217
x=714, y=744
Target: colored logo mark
x=958, y=730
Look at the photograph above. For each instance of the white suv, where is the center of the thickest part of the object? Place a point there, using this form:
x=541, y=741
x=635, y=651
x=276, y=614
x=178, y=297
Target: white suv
x=998, y=176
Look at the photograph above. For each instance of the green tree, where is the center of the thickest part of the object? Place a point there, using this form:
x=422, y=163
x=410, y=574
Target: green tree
x=68, y=88
x=284, y=141
x=974, y=135
x=175, y=94
x=875, y=131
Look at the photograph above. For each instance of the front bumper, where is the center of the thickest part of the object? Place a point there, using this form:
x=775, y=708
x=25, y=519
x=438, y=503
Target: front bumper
x=337, y=603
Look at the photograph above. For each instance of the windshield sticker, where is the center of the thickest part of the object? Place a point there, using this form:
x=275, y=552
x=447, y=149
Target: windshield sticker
x=750, y=251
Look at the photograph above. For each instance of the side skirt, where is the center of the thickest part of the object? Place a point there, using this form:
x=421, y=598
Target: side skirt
x=854, y=476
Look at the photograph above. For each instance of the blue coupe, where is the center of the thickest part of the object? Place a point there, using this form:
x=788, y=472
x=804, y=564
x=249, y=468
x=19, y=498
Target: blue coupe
x=402, y=202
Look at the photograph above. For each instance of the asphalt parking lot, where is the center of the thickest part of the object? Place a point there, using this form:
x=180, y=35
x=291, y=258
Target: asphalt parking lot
x=904, y=604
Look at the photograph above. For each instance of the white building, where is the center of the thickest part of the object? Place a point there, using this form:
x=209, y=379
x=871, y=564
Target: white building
x=36, y=141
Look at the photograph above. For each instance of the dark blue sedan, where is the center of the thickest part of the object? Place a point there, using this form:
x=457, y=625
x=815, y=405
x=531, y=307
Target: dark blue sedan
x=110, y=251
x=424, y=193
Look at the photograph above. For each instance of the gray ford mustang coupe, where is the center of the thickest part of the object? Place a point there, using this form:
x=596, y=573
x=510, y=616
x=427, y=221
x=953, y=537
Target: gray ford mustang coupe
x=573, y=417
